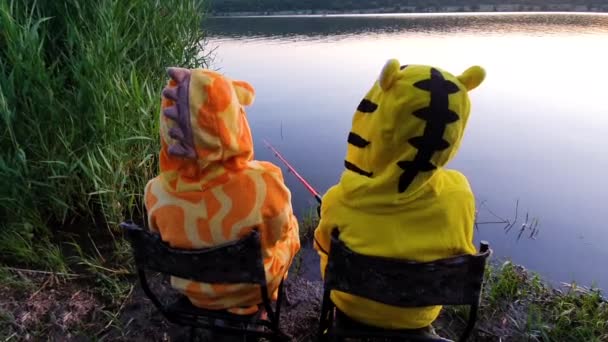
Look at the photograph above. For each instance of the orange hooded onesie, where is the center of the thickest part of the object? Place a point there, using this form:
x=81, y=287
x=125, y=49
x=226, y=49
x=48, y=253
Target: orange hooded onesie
x=210, y=190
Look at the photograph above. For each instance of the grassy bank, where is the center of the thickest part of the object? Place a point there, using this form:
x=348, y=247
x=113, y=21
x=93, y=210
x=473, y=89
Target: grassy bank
x=79, y=103
x=516, y=306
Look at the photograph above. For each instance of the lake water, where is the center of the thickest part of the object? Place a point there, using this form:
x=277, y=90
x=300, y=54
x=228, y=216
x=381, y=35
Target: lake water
x=537, y=133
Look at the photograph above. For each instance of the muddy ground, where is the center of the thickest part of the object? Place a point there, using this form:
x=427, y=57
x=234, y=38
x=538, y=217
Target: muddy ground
x=56, y=309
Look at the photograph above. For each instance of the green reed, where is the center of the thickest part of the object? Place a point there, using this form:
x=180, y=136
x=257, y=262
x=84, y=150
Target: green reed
x=79, y=104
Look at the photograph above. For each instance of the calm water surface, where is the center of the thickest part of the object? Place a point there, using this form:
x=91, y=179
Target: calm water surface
x=537, y=133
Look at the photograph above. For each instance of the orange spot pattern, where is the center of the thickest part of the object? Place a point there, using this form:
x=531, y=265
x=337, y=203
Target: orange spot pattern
x=204, y=229
x=245, y=190
x=244, y=140
x=150, y=199
x=169, y=220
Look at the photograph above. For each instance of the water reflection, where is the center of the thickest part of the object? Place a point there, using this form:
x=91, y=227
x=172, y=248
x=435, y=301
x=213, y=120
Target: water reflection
x=344, y=27
x=537, y=131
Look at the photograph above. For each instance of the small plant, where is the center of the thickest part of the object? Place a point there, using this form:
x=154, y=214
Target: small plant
x=308, y=224
x=507, y=284
x=9, y=279
x=529, y=224
x=6, y=320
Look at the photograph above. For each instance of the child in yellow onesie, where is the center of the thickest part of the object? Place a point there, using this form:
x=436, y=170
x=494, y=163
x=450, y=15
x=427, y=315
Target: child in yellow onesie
x=395, y=199
x=210, y=190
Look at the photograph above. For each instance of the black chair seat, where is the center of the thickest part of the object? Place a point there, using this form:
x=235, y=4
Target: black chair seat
x=236, y=262
x=346, y=326
x=456, y=280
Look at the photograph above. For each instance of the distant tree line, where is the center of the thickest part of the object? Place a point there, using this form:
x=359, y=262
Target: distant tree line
x=225, y=6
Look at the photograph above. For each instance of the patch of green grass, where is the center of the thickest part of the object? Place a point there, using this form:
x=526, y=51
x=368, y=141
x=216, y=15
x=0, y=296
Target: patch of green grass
x=308, y=223
x=79, y=103
x=11, y=280
x=6, y=320
x=22, y=246
x=518, y=304
x=509, y=283
x=109, y=272
x=576, y=315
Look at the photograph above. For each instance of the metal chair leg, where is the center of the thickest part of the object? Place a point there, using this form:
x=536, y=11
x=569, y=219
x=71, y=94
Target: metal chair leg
x=192, y=334
x=326, y=308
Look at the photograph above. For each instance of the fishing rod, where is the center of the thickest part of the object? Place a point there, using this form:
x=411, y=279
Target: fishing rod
x=309, y=187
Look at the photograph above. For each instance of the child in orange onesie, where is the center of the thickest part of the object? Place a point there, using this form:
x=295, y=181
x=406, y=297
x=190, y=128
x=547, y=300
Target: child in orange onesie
x=210, y=190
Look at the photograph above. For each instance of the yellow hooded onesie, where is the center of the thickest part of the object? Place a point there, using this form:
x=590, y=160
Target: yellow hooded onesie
x=211, y=191
x=395, y=199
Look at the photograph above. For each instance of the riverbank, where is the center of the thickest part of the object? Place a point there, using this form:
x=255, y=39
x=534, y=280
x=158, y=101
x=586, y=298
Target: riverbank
x=106, y=303
x=516, y=306
x=85, y=79
x=597, y=8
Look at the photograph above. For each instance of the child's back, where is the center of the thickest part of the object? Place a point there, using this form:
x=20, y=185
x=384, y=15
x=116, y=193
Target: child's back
x=210, y=190
x=395, y=199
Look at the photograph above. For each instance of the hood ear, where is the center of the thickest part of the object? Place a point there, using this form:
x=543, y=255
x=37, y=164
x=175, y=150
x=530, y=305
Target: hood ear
x=472, y=77
x=244, y=92
x=389, y=74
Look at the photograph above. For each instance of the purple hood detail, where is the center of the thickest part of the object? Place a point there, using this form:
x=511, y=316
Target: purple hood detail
x=180, y=114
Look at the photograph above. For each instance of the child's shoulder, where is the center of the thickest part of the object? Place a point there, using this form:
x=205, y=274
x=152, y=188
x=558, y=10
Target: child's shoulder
x=266, y=168
x=455, y=179
x=277, y=195
x=455, y=187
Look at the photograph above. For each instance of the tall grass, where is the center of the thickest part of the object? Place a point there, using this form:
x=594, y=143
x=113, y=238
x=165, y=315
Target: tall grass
x=79, y=101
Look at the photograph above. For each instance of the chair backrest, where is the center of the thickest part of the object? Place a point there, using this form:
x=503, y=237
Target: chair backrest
x=452, y=281
x=231, y=263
